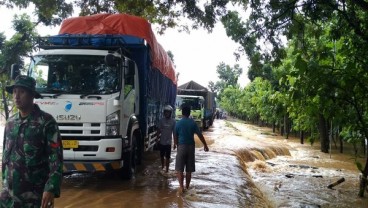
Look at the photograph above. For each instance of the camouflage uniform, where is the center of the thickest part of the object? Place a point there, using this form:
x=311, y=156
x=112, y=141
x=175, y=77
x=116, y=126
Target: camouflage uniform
x=32, y=159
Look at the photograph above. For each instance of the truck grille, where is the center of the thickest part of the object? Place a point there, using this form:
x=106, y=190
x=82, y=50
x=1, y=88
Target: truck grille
x=79, y=129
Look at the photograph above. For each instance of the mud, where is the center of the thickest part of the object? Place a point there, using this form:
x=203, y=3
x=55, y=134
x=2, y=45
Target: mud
x=247, y=166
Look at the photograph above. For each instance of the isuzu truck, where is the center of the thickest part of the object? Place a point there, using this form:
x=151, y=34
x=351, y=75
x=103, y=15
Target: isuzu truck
x=105, y=79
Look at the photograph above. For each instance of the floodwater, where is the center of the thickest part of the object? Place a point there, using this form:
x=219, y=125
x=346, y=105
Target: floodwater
x=247, y=166
x=302, y=178
x=219, y=181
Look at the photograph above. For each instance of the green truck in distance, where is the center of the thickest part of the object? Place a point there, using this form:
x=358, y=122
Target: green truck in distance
x=197, y=107
x=196, y=91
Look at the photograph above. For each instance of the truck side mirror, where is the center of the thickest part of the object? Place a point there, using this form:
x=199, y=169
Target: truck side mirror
x=14, y=71
x=130, y=71
x=110, y=60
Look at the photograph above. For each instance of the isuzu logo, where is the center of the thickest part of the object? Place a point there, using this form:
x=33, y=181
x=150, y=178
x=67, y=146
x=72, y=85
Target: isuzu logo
x=68, y=106
x=68, y=117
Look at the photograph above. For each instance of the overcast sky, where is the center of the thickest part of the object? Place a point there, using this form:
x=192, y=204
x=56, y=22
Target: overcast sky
x=196, y=55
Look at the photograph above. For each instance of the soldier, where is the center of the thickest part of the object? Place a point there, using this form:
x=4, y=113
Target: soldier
x=32, y=152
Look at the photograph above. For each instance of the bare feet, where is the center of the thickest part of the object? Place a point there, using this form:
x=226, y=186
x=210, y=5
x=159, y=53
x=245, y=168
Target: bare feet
x=180, y=191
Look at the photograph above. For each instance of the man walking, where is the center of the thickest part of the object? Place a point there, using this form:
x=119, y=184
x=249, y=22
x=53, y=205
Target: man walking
x=184, y=141
x=32, y=152
x=166, y=127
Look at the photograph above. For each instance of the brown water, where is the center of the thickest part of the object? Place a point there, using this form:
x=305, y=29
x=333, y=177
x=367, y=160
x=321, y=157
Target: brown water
x=219, y=181
x=301, y=178
x=246, y=167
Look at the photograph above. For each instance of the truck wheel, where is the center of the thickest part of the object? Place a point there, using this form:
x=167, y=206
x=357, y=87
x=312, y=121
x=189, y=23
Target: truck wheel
x=139, y=153
x=130, y=161
x=205, y=126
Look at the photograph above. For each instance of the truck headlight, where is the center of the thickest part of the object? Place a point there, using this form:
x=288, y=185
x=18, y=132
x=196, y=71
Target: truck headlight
x=112, y=124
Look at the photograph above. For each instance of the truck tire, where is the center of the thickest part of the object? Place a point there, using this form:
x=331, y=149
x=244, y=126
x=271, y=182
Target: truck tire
x=140, y=150
x=205, y=126
x=130, y=162
x=211, y=121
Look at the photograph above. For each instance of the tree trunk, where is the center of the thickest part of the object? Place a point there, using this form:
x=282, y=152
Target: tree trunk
x=301, y=137
x=341, y=144
x=323, y=131
x=364, y=145
x=363, y=180
x=286, y=126
x=5, y=102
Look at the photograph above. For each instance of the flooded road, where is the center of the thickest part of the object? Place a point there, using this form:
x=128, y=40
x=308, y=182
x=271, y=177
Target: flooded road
x=219, y=181
x=301, y=179
x=247, y=166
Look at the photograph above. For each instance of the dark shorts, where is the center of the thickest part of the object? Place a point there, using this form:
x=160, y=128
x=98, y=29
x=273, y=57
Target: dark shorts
x=165, y=150
x=185, y=158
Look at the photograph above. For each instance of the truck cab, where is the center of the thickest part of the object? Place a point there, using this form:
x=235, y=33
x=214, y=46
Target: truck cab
x=196, y=104
x=93, y=95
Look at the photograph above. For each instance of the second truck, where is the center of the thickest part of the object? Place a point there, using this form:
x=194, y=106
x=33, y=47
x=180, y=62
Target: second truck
x=201, y=100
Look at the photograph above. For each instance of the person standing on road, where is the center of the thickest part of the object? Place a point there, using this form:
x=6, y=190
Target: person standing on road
x=184, y=141
x=166, y=127
x=32, y=152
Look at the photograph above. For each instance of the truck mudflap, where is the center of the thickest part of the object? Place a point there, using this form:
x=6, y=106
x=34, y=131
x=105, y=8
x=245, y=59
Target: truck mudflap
x=91, y=166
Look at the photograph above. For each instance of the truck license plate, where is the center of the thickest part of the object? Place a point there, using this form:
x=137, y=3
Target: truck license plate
x=70, y=144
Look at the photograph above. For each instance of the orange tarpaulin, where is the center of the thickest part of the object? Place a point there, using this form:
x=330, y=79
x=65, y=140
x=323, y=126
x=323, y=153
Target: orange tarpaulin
x=122, y=24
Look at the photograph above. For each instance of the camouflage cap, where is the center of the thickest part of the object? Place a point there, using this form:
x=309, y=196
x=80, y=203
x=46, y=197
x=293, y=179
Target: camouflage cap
x=25, y=82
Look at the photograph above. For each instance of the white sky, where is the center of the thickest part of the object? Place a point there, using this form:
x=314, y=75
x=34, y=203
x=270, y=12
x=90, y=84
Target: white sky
x=196, y=55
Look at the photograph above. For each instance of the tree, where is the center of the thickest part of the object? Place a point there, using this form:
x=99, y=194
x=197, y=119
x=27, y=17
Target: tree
x=228, y=75
x=20, y=45
x=14, y=51
x=48, y=12
x=166, y=14
x=212, y=86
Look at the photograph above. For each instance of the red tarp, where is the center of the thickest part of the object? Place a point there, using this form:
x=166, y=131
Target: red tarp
x=122, y=24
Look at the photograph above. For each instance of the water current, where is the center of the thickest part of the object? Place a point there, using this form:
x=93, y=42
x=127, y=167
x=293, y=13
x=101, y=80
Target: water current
x=247, y=166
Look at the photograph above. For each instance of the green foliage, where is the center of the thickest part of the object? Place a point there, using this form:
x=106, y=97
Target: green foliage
x=312, y=138
x=229, y=99
x=212, y=86
x=48, y=12
x=167, y=14
x=20, y=45
x=351, y=134
x=14, y=51
x=228, y=77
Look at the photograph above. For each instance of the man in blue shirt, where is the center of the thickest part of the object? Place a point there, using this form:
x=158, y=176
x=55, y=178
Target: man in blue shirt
x=184, y=140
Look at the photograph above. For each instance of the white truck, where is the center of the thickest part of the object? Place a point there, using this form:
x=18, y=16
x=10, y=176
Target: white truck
x=106, y=91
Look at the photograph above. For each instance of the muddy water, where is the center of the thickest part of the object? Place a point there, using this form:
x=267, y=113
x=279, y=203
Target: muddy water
x=246, y=167
x=219, y=181
x=301, y=178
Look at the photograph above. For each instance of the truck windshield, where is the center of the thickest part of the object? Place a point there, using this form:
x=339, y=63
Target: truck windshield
x=75, y=74
x=194, y=103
